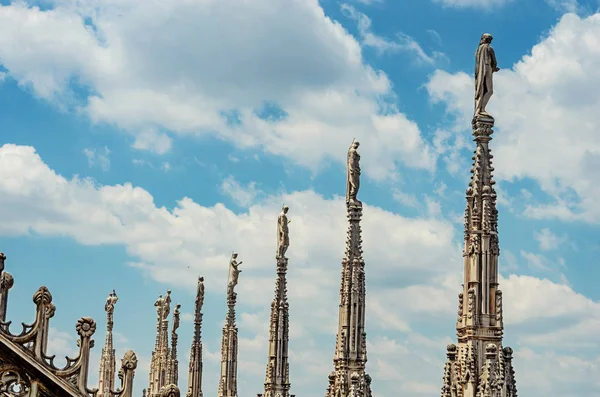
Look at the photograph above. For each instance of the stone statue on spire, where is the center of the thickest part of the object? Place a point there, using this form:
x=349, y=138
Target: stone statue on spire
x=234, y=273
x=159, y=304
x=200, y=293
x=353, y=174
x=109, y=307
x=283, y=236
x=485, y=67
x=176, y=314
x=167, y=305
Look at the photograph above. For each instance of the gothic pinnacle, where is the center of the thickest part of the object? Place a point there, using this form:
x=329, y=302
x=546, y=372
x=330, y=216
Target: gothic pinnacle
x=479, y=357
x=349, y=377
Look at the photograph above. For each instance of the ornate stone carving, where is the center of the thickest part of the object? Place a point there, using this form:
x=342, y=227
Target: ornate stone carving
x=353, y=174
x=14, y=382
x=170, y=391
x=234, y=273
x=460, y=307
x=471, y=303
x=486, y=65
x=499, y=306
x=283, y=235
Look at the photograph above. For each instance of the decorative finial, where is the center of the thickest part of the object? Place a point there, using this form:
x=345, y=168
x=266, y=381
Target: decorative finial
x=283, y=236
x=234, y=273
x=353, y=175
x=109, y=306
x=485, y=66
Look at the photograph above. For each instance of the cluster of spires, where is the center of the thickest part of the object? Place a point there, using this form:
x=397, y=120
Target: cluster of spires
x=348, y=379
x=478, y=366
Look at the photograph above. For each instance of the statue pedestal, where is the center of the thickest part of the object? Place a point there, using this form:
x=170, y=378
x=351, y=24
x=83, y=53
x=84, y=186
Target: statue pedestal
x=482, y=127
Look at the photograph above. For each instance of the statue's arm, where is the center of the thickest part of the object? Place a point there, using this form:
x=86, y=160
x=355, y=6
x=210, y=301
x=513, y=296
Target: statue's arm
x=493, y=61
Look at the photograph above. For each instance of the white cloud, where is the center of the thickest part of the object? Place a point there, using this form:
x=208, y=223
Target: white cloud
x=403, y=42
x=159, y=86
x=242, y=195
x=407, y=288
x=555, y=86
x=548, y=240
x=100, y=158
x=482, y=4
x=564, y=5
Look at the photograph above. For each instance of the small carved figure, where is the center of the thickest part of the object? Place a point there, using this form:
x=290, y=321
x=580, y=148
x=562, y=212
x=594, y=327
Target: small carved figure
x=176, y=314
x=471, y=303
x=485, y=66
x=460, y=307
x=159, y=304
x=283, y=236
x=353, y=177
x=109, y=307
x=200, y=293
x=233, y=272
x=167, y=304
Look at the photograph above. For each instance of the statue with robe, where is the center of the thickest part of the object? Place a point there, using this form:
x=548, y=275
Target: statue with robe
x=353, y=174
x=200, y=293
x=176, y=314
x=109, y=307
x=234, y=273
x=167, y=305
x=283, y=236
x=159, y=304
x=485, y=67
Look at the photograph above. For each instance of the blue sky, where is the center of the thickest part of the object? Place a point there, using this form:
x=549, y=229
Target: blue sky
x=142, y=142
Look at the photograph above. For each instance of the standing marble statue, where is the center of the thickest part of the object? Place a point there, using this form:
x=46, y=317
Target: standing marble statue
x=353, y=174
x=200, y=293
x=159, y=304
x=283, y=236
x=176, y=314
x=485, y=67
x=167, y=305
x=234, y=273
x=109, y=307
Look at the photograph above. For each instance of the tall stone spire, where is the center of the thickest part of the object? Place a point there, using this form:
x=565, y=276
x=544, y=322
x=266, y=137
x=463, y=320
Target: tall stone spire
x=106, y=379
x=277, y=380
x=479, y=365
x=163, y=365
x=229, y=345
x=195, y=370
x=349, y=378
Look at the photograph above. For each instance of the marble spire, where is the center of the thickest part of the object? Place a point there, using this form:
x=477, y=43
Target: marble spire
x=163, y=364
x=106, y=378
x=195, y=369
x=277, y=379
x=229, y=345
x=479, y=365
x=349, y=378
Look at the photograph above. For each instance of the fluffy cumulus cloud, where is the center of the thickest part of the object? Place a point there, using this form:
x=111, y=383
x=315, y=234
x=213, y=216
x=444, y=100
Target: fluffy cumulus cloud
x=410, y=286
x=545, y=107
x=282, y=76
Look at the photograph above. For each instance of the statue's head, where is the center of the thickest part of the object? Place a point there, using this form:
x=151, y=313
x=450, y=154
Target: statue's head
x=285, y=209
x=356, y=144
x=486, y=38
x=168, y=292
x=200, y=278
x=234, y=255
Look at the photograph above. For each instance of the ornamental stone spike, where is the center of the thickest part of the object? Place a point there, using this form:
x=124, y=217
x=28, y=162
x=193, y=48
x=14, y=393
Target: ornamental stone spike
x=195, y=368
x=107, y=367
x=229, y=344
x=479, y=358
x=163, y=364
x=277, y=379
x=349, y=377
